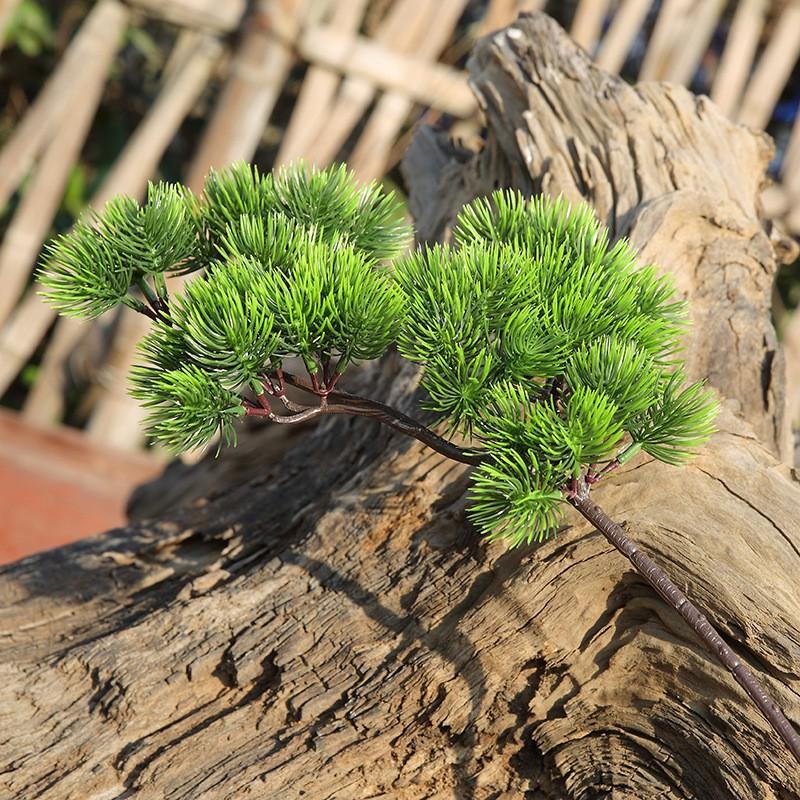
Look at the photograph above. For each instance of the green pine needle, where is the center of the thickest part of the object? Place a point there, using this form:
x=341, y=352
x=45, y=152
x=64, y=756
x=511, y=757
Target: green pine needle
x=91, y=269
x=331, y=201
x=620, y=369
x=515, y=498
x=537, y=336
x=534, y=300
x=188, y=408
x=227, y=325
x=678, y=423
x=83, y=275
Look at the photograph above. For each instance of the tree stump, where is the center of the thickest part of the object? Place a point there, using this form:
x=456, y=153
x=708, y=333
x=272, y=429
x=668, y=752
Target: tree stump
x=327, y=624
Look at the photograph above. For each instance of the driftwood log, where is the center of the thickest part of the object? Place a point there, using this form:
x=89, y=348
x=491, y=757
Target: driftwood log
x=319, y=620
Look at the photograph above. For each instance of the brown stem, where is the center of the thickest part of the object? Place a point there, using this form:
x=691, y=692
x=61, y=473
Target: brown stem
x=593, y=477
x=361, y=407
x=301, y=416
x=653, y=574
x=346, y=403
x=289, y=405
x=148, y=312
x=578, y=496
x=333, y=379
x=263, y=402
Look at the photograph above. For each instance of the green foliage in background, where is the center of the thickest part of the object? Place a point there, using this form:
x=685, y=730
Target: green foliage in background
x=541, y=341
x=29, y=28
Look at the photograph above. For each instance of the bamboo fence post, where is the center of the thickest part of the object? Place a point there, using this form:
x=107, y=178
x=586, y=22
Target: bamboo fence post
x=773, y=69
x=371, y=152
x=311, y=111
x=434, y=84
x=499, y=13
x=34, y=216
x=143, y=151
x=356, y=93
x=217, y=16
x=20, y=336
x=117, y=419
x=617, y=42
x=587, y=24
x=790, y=169
x=186, y=44
x=45, y=401
x=696, y=33
x=186, y=75
x=666, y=35
x=739, y=54
x=257, y=74
x=55, y=100
x=529, y=7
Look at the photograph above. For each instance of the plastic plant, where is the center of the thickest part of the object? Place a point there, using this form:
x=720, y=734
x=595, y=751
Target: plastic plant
x=543, y=345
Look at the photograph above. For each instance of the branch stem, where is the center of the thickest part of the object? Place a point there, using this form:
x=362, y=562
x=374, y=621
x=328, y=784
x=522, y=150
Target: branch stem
x=577, y=494
x=158, y=306
x=698, y=622
x=340, y=402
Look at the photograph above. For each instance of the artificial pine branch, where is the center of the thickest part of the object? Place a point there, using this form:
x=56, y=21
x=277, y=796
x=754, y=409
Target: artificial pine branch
x=548, y=347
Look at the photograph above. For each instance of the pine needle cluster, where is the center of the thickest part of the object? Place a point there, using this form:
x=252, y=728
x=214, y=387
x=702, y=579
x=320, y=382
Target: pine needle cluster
x=551, y=347
x=295, y=264
x=539, y=339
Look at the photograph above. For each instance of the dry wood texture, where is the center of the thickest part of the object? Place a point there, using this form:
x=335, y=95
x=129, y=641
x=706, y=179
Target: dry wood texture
x=328, y=626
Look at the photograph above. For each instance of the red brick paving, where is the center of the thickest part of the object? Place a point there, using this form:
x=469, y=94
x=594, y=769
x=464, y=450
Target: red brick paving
x=57, y=486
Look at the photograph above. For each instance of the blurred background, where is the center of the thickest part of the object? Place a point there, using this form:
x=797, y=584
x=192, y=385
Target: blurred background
x=99, y=96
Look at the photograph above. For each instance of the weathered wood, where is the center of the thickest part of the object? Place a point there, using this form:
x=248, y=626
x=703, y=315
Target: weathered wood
x=328, y=626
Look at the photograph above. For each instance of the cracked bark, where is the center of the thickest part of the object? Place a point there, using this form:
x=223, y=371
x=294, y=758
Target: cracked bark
x=311, y=616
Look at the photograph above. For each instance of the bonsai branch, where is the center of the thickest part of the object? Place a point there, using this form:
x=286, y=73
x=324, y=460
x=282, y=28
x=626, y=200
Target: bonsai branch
x=338, y=402
x=698, y=622
x=577, y=494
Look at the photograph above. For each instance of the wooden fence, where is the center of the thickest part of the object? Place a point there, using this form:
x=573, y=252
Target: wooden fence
x=358, y=96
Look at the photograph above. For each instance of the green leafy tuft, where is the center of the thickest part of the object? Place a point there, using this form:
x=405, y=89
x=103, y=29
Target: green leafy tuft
x=513, y=497
x=83, y=275
x=188, y=408
x=226, y=323
x=550, y=345
x=678, y=423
